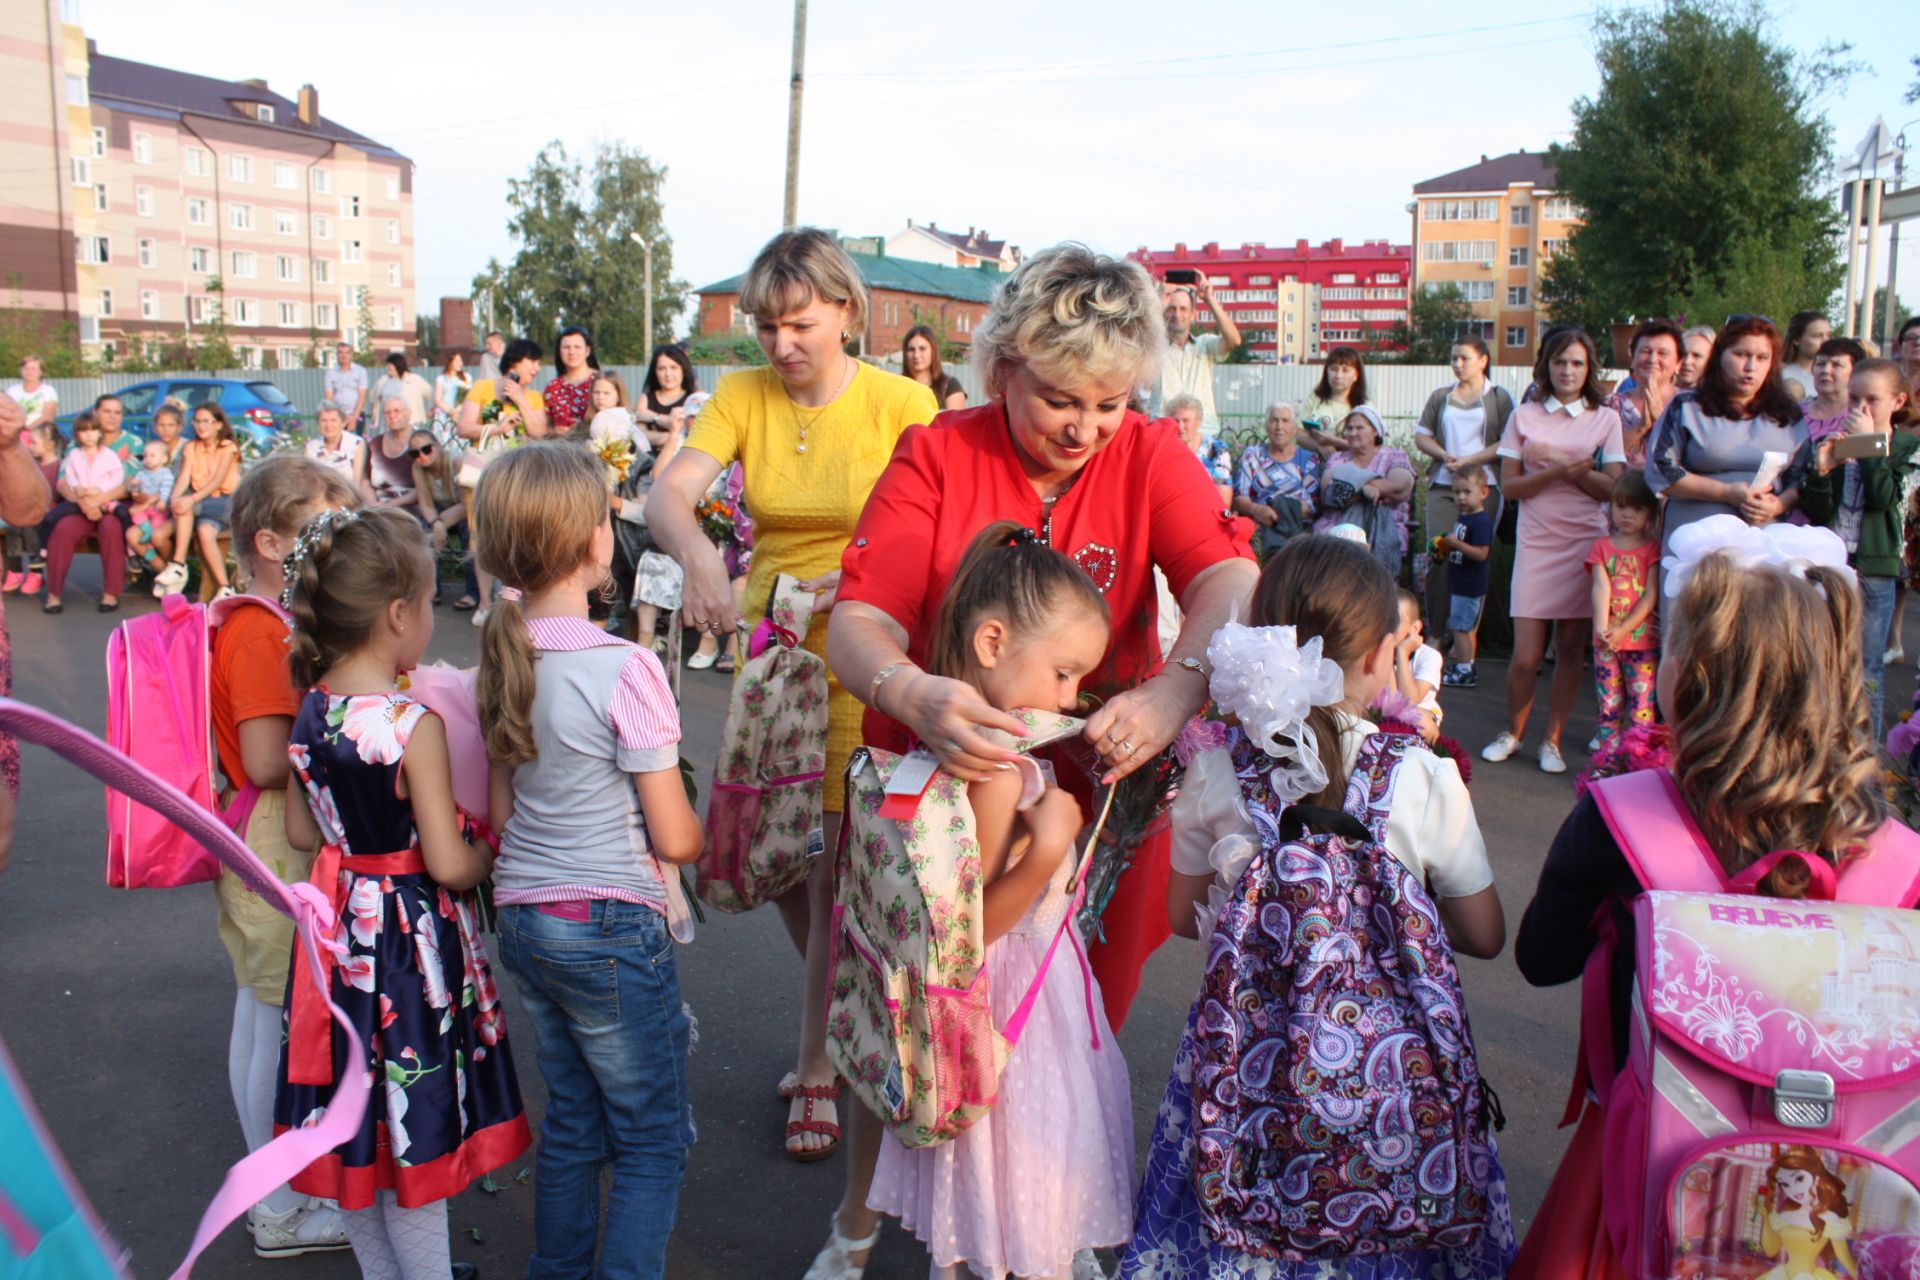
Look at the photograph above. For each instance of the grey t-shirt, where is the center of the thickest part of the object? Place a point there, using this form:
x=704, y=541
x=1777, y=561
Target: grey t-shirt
x=1690, y=441
x=344, y=387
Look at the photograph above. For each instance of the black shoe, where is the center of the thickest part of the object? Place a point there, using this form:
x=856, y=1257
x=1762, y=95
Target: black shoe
x=109, y=608
x=53, y=608
x=465, y=1271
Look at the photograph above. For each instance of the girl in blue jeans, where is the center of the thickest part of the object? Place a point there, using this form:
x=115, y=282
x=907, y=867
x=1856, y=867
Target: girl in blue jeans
x=587, y=798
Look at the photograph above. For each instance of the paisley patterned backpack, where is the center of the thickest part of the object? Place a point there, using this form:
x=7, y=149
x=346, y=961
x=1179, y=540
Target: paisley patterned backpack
x=1338, y=1109
x=909, y=1018
x=764, y=816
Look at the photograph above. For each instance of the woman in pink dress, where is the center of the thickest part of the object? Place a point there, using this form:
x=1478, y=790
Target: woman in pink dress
x=1559, y=456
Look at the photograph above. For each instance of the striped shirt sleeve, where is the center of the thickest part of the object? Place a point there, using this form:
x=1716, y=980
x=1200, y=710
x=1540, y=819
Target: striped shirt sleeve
x=645, y=721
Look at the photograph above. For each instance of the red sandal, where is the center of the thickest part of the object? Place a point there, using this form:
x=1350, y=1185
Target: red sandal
x=808, y=1094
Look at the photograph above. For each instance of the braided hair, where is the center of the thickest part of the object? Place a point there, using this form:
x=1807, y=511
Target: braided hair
x=346, y=568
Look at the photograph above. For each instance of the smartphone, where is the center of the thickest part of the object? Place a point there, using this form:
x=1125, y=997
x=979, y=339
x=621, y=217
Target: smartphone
x=1182, y=275
x=1851, y=448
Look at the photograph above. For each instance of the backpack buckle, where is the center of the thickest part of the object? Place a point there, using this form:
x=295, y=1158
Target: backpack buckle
x=1803, y=1099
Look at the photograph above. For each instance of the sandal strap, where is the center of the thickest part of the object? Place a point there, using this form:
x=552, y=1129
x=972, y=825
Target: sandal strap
x=851, y=1246
x=822, y=1092
x=825, y=1128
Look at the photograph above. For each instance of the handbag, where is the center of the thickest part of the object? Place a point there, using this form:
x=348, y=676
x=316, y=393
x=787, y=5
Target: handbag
x=474, y=460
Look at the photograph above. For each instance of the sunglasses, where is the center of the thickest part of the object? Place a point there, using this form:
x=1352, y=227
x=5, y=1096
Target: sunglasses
x=1744, y=316
x=421, y=452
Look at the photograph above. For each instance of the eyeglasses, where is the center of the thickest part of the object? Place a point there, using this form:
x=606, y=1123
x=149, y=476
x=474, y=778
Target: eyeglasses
x=1745, y=316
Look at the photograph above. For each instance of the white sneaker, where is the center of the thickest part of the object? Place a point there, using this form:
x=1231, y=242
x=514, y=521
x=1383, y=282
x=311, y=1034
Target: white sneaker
x=1893, y=657
x=314, y=1227
x=1500, y=748
x=1550, y=761
x=169, y=580
x=480, y=617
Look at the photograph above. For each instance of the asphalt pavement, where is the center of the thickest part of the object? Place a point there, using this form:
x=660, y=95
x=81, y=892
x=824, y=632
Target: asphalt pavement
x=117, y=1005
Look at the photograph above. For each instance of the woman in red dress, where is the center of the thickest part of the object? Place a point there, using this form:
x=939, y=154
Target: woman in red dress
x=1068, y=338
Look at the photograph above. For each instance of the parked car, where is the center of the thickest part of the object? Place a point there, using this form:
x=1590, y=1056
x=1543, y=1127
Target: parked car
x=259, y=411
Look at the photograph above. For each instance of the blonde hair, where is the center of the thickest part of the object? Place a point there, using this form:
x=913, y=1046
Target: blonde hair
x=797, y=267
x=1075, y=316
x=534, y=519
x=353, y=570
x=1772, y=747
x=619, y=386
x=282, y=493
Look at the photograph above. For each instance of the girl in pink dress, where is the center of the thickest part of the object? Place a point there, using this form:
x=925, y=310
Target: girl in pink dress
x=1047, y=1174
x=1559, y=456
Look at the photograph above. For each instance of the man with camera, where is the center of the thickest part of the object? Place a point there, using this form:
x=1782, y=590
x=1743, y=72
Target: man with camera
x=1188, y=369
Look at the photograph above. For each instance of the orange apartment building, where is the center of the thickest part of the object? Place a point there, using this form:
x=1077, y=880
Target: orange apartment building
x=1490, y=229
x=130, y=187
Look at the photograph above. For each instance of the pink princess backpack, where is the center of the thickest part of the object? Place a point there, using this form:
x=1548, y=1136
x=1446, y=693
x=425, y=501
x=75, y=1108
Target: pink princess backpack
x=1767, y=1120
x=159, y=714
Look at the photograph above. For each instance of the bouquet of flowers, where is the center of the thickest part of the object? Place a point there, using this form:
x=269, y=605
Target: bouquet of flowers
x=1138, y=812
x=716, y=515
x=1645, y=746
x=616, y=453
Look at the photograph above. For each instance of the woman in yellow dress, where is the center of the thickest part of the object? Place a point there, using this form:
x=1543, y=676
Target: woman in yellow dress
x=1805, y=1218
x=812, y=431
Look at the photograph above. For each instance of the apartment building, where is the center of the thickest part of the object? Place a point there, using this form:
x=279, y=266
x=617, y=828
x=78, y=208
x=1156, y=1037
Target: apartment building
x=1491, y=228
x=1292, y=304
x=135, y=187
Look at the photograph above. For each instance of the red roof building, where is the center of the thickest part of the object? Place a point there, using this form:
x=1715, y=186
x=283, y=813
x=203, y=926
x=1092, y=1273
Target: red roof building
x=1293, y=304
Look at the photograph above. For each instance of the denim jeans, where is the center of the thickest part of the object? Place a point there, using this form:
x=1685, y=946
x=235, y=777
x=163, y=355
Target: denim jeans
x=604, y=1000
x=1876, y=624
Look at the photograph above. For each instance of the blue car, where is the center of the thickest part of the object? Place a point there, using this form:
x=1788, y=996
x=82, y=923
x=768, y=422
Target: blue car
x=259, y=411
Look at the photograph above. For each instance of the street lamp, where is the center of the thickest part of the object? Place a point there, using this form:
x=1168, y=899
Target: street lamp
x=646, y=250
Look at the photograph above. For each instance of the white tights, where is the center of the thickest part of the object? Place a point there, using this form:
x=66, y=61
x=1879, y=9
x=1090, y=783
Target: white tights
x=253, y=1063
x=392, y=1243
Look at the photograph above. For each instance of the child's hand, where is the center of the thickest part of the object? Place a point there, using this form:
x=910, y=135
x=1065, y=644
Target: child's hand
x=1055, y=822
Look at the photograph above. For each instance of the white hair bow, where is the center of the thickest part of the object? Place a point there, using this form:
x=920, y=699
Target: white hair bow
x=1268, y=681
x=1795, y=548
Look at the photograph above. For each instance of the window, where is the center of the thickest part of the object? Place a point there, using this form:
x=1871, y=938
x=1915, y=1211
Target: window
x=99, y=143
x=246, y=265
x=80, y=170
x=393, y=280
x=323, y=270
x=393, y=186
x=291, y=357
x=106, y=303
x=1558, y=209
x=76, y=91
x=1552, y=248
x=197, y=162
x=100, y=197
x=289, y=315
x=1519, y=256
x=1481, y=329
x=1457, y=251
x=200, y=259
x=239, y=167
x=1516, y=335
x=246, y=311
x=93, y=250
x=286, y=222
x=143, y=201
x=1259, y=279
x=263, y=112
x=1517, y=295
x=286, y=267
x=240, y=217
x=1459, y=210
x=322, y=227
x=285, y=176
x=1520, y=215
x=352, y=253
x=326, y=317
x=1471, y=290
x=149, y=305
x=393, y=318
x=202, y=309
x=322, y=181
x=1387, y=277
x=143, y=148
x=199, y=212
x=349, y=206
x=393, y=231
x=146, y=253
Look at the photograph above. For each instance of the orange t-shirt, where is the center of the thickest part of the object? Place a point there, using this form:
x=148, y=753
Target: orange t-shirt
x=206, y=461
x=250, y=679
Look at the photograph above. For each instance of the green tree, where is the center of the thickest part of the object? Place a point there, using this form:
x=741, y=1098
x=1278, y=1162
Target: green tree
x=426, y=336
x=575, y=261
x=1699, y=165
x=718, y=349
x=363, y=352
x=1436, y=317
x=26, y=331
x=215, y=348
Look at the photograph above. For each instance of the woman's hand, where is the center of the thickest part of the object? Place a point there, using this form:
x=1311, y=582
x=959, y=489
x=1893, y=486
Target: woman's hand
x=1762, y=509
x=707, y=600
x=1264, y=514
x=1371, y=490
x=947, y=716
x=1135, y=726
x=825, y=588
x=437, y=535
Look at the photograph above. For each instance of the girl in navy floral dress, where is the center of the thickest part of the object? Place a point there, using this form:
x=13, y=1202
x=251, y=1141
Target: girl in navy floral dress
x=373, y=790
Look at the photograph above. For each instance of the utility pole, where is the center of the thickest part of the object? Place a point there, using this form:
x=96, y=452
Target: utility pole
x=792, y=214
x=646, y=309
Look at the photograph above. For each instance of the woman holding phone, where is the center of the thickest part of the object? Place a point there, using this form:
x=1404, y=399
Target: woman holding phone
x=499, y=414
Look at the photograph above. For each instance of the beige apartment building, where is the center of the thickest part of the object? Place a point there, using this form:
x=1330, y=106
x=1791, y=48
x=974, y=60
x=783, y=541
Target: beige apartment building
x=1490, y=229
x=131, y=187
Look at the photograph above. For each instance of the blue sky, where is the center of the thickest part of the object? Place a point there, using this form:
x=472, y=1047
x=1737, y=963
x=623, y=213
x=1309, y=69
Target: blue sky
x=1111, y=123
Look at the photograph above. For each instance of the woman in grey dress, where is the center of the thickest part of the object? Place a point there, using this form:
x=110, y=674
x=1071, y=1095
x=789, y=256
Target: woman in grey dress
x=1713, y=441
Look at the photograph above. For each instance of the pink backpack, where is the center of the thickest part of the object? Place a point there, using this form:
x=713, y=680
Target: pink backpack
x=159, y=700
x=1767, y=1116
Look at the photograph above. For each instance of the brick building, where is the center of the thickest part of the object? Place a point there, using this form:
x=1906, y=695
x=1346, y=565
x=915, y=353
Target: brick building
x=1292, y=304
x=902, y=293
x=1490, y=229
x=133, y=186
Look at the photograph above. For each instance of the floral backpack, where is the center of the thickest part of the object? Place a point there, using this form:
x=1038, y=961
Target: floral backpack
x=1338, y=1108
x=909, y=1014
x=764, y=815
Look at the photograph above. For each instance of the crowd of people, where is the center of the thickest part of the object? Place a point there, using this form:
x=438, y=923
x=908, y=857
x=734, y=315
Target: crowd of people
x=1084, y=541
